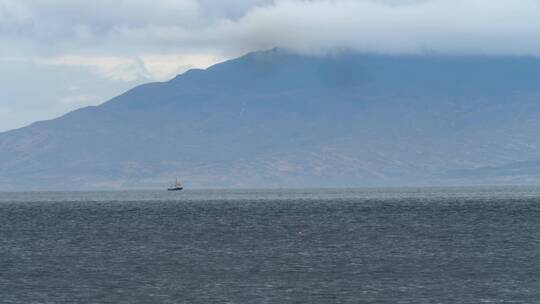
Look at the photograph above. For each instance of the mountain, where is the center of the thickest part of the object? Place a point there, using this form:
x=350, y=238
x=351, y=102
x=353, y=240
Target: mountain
x=278, y=119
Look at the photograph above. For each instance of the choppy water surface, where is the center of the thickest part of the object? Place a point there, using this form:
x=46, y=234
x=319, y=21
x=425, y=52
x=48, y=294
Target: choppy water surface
x=459, y=245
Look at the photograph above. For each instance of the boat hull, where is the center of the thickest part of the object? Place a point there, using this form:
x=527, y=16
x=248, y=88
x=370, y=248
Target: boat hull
x=175, y=189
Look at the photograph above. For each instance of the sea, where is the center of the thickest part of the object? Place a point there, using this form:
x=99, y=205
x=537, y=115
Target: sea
x=377, y=245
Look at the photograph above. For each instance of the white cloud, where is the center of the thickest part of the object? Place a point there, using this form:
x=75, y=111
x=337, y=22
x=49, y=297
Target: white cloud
x=128, y=69
x=142, y=27
x=111, y=67
x=163, y=67
x=445, y=26
x=105, y=27
x=81, y=100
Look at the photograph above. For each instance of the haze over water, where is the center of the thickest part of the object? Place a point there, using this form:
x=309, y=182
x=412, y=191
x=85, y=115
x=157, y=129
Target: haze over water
x=410, y=245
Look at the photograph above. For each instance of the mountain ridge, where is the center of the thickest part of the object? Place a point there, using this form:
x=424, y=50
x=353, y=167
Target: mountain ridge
x=277, y=119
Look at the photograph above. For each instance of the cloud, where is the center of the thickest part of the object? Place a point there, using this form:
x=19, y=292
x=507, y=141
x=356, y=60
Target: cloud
x=114, y=68
x=109, y=27
x=443, y=26
x=81, y=100
x=163, y=67
x=142, y=27
x=128, y=69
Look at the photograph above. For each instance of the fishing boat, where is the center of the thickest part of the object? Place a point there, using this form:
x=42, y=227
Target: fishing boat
x=177, y=186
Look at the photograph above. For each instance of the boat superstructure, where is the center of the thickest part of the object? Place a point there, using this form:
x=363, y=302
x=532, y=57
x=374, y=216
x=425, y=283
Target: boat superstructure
x=177, y=186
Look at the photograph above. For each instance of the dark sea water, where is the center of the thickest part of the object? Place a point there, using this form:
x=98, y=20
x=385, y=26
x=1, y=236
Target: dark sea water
x=453, y=245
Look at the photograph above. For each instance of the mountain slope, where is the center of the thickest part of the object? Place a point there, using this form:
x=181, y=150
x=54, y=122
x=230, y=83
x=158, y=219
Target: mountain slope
x=275, y=119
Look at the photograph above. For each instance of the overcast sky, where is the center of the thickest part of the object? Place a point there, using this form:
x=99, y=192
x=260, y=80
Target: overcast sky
x=58, y=55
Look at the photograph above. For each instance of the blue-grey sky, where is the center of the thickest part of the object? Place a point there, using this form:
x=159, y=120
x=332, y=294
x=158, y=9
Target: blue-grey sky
x=58, y=55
